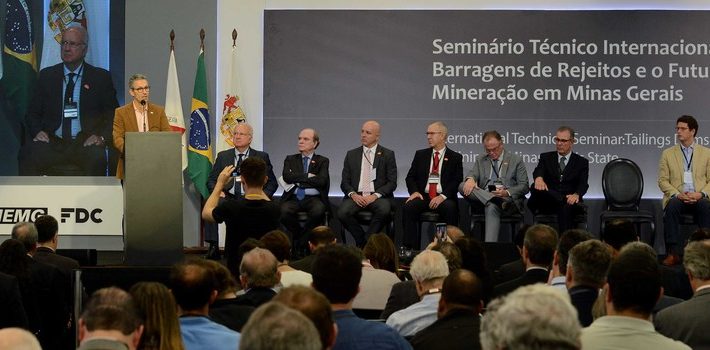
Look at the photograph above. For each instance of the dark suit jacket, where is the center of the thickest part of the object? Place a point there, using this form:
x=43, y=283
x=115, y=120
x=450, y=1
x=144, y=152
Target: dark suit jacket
x=305, y=264
x=13, y=312
x=50, y=290
x=228, y=157
x=529, y=277
x=97, y=101
x=293, y=174
x=458, y=329
x=255, y=297
x=510, y=271
x=687, y=321
x=50, y=257
x=574, y=178
x=230, y=314
x=386, y=171
x=583, y=298
x=450, y=177
x=402, y=295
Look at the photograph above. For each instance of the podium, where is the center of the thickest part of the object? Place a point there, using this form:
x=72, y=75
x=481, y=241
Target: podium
x=152, y=192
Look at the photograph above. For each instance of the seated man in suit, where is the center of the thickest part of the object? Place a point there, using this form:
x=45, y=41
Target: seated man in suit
x=69, y=119
x=538, y=252
x=498, y=182
x=307, y=172
x=560, y=181
x=139, y=115
x=432, y=182
x=259, y=275
x=684, y=179
x=369, y=179
x=241, y=140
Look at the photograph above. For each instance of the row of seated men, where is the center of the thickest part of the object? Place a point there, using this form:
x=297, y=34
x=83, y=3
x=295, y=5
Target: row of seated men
x=575, y=292
x=497, y=183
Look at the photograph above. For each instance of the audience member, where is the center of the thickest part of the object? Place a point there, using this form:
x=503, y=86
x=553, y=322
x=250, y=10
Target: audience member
x=226, y=310
x=250, y=216
x=617, y=233
x=569, y=239
x=275, y=326
x=531, y=317
x=47, y=242
x=700, y=234
x=336, y=274
x=458, y=322
x=473, y=258
x=13, y=314
x=278, y=244
x=516, y=268
x=157, y=308
x=378, y=278
x=585, y=274
x=259, y=276
x=195, y=288
x=428, y=271
x=314, y=305
x=538, y=251
x=18, y=339
x=689, y=321
x=110, y=320
x=451, y=253
x=454, y=233
x=319, y=237
x=632, y=290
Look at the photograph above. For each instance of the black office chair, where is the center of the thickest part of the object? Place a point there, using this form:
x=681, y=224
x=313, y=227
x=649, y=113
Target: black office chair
x=479, y=218
x=622, y=183
x=579, y=219
x=425, y=216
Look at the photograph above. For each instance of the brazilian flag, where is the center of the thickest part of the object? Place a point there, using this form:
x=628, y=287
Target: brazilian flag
x=199, y=151
x=19, y=59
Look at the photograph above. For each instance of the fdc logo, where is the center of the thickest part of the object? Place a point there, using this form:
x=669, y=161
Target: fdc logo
x=81, y=215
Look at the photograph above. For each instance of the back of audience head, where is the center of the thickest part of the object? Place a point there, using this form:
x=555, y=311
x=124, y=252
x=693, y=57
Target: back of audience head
x=461, y=290
x=619, y=232
x=531, y=317
x=568, y=240
x=700, y=234
x=519, y=237
x=26, y=232
x=452, y=254
x=193, y=285
x=473, y=256
x=253, y=172
x=696, y=260
x=381, y=252
x=247, y=245
x=320, y=236
x=227, y=286
x=259, y=268
x=13, y=261
x=278, y=244
x=428, y=270
x=18, y=339
x=111, y=309
x=156, y=306
x=313, y=305
x=634, y=282
x=275, y=326
x=336, y=274
x=539, y=245
x=588, y=264
x=454, y=233
x=47, y=228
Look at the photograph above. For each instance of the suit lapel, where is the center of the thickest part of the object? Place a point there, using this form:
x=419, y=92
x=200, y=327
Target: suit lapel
x=132, y=118
x=357, y=169
x=376, y=157
x=504, y=165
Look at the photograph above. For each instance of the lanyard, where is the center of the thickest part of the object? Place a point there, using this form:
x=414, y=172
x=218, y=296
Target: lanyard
x=688, y=162
x=496, y=171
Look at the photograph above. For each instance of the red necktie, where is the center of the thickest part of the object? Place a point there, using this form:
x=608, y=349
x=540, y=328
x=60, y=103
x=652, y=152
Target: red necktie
x=434, y=170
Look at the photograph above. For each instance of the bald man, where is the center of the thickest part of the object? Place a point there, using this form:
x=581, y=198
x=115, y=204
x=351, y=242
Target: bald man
x=368, y=182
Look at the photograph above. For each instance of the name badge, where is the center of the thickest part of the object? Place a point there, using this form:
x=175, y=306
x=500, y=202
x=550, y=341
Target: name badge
x=688, y=177
x=434, y=178
x=71, y=110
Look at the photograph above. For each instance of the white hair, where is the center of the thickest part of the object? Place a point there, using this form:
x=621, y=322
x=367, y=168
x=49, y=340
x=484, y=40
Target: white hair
x=697, y=259
x=538, y=317
x=276, y=326
x=429, y=265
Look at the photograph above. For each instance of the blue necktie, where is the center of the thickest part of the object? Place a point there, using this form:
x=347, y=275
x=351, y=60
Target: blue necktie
x=300, y=191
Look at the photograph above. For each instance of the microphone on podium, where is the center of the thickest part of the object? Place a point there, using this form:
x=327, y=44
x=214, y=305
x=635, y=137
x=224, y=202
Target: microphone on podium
x=145, y=115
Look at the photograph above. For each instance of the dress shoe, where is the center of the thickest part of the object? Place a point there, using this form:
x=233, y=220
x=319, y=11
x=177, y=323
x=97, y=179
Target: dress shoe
x=213, y=253
x=671, y=260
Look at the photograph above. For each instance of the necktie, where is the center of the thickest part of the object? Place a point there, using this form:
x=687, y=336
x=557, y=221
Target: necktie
x=562, y=164
x=237, y=187
x=68, y=98
x=494, y=176
x=434, y=170
x=300, y=191
x=366, y=174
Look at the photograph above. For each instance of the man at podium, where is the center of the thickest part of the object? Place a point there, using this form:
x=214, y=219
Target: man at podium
x=137, y=116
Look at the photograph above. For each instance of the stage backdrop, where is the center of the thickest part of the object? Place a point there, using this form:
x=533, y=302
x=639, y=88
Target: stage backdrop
x=620, y=78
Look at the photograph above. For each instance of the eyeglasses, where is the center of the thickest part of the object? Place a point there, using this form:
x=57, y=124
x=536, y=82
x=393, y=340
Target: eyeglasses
x=431, y=133
x=241, y=134
x=72, y=44
x=559, y=140
x=141, y=89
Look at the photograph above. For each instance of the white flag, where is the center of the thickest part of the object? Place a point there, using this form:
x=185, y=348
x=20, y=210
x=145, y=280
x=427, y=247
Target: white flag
x=233, y=112
x=173, y=106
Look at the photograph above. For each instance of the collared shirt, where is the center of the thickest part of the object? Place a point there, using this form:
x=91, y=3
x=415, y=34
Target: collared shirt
x=559, y=282
x=309, y=191
x=687, y=165
x=499, y=165
x=441, y=164
x=702, y=287
x=199, y=332
x=141, y=117
x=355, y=333
x=415, y=317
x=76, y=94
x=245, y=155
x=621, y=332
x=367, y=162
